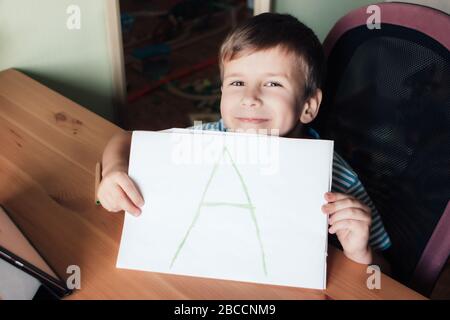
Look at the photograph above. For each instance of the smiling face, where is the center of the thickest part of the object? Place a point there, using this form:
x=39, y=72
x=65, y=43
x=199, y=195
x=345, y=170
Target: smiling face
x=262, y=90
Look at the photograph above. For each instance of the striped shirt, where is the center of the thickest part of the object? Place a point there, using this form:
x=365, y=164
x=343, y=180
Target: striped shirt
x=345, y=180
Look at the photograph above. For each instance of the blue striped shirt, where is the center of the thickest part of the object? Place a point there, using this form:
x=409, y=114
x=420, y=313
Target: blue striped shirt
x=345, y=180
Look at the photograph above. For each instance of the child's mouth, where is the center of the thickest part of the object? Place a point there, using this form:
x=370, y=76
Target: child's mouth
x=252, y=120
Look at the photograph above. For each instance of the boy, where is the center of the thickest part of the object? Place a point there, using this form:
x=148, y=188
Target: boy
x=271, y=68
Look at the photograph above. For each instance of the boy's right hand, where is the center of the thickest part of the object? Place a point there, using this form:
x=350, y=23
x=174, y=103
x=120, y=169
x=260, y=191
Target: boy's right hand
x=118, y=192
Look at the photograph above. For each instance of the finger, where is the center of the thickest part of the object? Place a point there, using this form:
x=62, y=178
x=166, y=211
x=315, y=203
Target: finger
x=111, y=202
x=349, y=225
x=343, y=204
x=336, y=196
x=130, y=190
x=105, y=203
x=101, y=196
x=124, y=203
x=350, y=214
x=105, y=199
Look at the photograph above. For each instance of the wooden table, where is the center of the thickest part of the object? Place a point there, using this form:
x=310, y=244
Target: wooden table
x=49, y=147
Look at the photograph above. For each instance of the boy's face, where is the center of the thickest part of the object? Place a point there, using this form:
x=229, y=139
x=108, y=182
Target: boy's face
x=262, y=90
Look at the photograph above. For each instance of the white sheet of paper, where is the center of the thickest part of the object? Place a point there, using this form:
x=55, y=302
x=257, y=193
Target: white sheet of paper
x=229, y=206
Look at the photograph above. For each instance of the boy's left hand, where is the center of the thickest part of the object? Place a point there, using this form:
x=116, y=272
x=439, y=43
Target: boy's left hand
x=350, y=220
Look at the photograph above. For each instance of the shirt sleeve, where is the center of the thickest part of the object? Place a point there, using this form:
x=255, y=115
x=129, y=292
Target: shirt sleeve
x=346, y=181
x=211, y=126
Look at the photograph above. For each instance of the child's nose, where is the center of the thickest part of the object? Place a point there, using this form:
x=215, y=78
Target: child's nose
x=250, y=98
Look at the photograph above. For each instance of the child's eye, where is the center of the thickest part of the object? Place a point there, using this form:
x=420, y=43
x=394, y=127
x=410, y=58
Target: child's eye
x=237, y=83
x=273, y=84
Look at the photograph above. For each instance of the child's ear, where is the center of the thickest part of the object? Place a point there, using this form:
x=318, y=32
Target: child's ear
x=311, y=107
